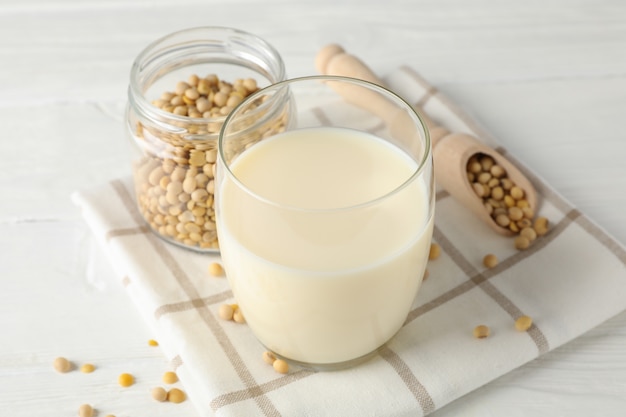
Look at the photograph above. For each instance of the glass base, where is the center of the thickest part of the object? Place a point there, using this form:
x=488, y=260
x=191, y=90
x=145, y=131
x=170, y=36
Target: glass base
x=328, y=367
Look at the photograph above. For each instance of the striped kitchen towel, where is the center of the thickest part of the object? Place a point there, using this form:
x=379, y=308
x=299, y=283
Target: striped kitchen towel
x=568, y=281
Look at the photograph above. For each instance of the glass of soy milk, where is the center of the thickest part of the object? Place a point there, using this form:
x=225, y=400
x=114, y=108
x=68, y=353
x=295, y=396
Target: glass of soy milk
x=324, y=209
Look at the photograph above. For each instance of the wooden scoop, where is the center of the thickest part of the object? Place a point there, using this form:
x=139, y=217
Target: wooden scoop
x=451, y=151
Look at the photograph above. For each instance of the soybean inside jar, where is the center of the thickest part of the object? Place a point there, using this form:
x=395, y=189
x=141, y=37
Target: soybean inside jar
x=182, y=86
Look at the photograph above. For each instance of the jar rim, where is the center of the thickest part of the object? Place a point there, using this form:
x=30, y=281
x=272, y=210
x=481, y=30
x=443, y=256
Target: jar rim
x=235, y=46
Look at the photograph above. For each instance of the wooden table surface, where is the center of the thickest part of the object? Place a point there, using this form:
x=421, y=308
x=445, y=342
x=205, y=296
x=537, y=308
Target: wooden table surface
x=547, y=78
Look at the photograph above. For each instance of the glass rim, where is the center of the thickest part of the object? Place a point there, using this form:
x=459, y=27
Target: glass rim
x=421, y=164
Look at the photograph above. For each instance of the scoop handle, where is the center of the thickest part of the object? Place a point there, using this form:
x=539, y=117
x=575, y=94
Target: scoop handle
x=334, y=60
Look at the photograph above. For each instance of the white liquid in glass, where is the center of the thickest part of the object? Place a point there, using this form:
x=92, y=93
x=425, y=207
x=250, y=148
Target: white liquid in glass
x=319, y=280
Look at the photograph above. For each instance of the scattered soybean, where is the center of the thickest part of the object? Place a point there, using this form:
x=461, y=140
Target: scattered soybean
x=85, y=410
x=216, y=269
x=268, y=357
x=125, y=380
x=523, y=323
x=435, y=251
x=170, y=377
x=176, y=396
x=481, y=331
x=490, y=260
x=87, y=368
x=62, y=365
x=158, y=394
x=281, y=366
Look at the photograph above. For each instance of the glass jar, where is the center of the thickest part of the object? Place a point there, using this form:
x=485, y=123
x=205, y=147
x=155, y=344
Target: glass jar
x=182, y=86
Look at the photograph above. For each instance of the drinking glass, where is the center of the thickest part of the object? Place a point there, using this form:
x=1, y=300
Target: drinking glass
x=324, y=213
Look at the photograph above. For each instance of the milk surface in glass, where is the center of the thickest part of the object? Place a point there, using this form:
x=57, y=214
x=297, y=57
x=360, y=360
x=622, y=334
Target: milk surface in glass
x=322, y=273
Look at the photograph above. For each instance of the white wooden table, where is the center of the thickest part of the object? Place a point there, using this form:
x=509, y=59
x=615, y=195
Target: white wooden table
x=548, y=78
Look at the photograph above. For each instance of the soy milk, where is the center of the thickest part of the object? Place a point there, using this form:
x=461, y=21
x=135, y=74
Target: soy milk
x=322, y=255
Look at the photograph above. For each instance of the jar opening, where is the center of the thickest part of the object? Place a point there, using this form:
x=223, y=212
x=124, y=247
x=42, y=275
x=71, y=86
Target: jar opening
x=227, y=53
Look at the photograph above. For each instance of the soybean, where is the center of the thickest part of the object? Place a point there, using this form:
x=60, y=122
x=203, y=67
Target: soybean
x=176, y=396
x=238, y=316
x=529, y=233
x=87, y=368
x=481, y=331
x=435, y=251
x=62, y=365
x=281, y=366
x=170, y=377
x=226, y=312
x=523, y=323
x=541, y=226
x=215, y=269
x=490, y=260
x=85, y=410
x=159, y=394
x=268, y=357
x=125, y=380
x=521, y=242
